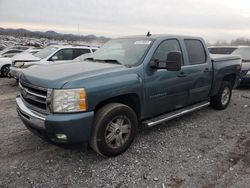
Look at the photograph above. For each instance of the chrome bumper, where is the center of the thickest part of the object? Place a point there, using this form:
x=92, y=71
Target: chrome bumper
x=28, y=116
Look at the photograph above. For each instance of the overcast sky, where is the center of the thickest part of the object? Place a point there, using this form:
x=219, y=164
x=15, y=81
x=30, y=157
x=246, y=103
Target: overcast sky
x=211, y=19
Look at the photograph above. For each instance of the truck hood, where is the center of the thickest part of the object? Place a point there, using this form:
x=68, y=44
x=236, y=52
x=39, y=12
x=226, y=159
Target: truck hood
x=25, y=57
x=57, y=75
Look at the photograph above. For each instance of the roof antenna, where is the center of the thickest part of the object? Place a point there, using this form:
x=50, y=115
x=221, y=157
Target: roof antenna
x=148, y=34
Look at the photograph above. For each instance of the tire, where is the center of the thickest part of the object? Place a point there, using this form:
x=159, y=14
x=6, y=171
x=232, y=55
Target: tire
x=5, y=70
x=222, y=99
x=114, y=129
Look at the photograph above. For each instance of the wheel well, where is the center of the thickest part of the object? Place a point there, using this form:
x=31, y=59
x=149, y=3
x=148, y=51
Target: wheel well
x=4, y=66
x=230, y=78
x=1, y=69
x=132, y=100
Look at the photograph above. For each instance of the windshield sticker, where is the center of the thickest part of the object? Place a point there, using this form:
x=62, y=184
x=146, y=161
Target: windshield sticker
x=143, y=42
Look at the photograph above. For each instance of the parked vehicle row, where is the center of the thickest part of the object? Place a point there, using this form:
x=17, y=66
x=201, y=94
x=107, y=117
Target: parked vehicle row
x=130, y=81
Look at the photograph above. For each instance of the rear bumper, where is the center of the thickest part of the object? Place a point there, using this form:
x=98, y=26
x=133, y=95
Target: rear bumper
x=245, y=81
x=76, y=127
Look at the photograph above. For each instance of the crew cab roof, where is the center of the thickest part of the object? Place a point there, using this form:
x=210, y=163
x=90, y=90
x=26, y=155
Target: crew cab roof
x=160, y=36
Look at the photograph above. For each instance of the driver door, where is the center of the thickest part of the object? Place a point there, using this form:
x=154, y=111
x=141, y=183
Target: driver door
x=165, y=90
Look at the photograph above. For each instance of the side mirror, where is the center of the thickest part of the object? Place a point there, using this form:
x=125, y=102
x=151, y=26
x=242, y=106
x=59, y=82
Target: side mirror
x=54, y=58
x=173, y=62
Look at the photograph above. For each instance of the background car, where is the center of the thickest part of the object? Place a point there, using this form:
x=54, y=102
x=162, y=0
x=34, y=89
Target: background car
x=244, y=52
x=7, y=54
x=13, y=50
x=49, y=55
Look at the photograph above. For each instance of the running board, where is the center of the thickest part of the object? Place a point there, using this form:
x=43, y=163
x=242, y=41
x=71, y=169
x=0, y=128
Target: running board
x=172, y=115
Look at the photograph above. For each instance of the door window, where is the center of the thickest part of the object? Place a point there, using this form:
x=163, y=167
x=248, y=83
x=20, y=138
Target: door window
x=164, y=48
x=196, y=52
x=64, y=54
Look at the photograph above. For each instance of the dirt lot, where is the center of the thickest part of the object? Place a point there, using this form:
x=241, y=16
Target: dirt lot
x=208, y=148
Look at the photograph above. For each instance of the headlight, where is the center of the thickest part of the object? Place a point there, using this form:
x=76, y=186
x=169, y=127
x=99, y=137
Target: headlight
x=19, y=64
x=248, y=73
x=69, y=100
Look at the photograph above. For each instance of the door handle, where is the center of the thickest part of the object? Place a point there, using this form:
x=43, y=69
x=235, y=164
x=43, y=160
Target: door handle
x=182, y=74
x=206, y=70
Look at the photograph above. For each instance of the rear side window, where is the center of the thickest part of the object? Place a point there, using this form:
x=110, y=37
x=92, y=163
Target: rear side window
x=78, y=52
x=196, y=51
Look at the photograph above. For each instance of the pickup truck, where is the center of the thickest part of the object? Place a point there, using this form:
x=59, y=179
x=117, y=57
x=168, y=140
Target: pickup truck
x=130, y=81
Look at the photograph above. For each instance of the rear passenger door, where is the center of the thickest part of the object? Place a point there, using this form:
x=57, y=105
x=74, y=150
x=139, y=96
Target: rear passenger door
x=199, y=70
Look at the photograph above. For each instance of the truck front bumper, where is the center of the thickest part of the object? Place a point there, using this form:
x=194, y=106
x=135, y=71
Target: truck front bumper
x=59, y=128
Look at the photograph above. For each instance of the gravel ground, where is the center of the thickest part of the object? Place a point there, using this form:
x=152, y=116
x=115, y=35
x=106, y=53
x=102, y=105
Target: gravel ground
x=208, y=148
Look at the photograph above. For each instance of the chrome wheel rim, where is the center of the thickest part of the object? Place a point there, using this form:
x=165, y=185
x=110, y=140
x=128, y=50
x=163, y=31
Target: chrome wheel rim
x=117, y=132
x=225, y=96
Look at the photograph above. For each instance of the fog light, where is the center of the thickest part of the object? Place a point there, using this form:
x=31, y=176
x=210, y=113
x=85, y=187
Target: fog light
x=61, y=136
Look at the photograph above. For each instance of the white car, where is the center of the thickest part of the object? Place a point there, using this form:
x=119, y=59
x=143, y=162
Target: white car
x=13, y=50
x=49, y=55
x=9, y=53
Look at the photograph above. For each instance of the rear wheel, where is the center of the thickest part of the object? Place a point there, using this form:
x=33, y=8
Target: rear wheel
x=222, y=99
x=5, y=70
x=114, y=129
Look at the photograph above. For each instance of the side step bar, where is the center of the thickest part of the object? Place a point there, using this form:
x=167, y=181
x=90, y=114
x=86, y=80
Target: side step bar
x=172, y=115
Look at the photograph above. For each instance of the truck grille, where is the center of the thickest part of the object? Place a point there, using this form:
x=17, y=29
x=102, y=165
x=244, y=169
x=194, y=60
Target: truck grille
x=34, y=97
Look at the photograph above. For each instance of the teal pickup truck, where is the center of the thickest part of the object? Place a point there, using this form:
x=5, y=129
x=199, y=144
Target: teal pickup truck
x=130, y=81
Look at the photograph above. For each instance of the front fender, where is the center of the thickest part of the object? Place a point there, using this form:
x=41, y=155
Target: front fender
x=107, y=86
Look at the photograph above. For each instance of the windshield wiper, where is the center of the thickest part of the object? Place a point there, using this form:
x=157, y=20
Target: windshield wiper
x=114, y=61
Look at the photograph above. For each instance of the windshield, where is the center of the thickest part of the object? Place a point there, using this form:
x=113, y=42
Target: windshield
x=244, y=53
x=127, y=52
x=45, y=52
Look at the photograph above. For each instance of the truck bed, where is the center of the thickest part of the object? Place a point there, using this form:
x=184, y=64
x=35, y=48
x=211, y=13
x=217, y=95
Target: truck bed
x=218, y=57
x=224, y=65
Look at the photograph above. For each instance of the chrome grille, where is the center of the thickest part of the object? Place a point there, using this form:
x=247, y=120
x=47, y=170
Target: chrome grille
x=34, y=97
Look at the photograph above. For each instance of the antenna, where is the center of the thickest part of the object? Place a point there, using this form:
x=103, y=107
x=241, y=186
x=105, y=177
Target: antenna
x=148, y=34
x=78, y=28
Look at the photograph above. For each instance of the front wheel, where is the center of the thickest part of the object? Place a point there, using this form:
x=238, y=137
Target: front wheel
x=5, y=71
x=222, y=99
x=114, y=129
